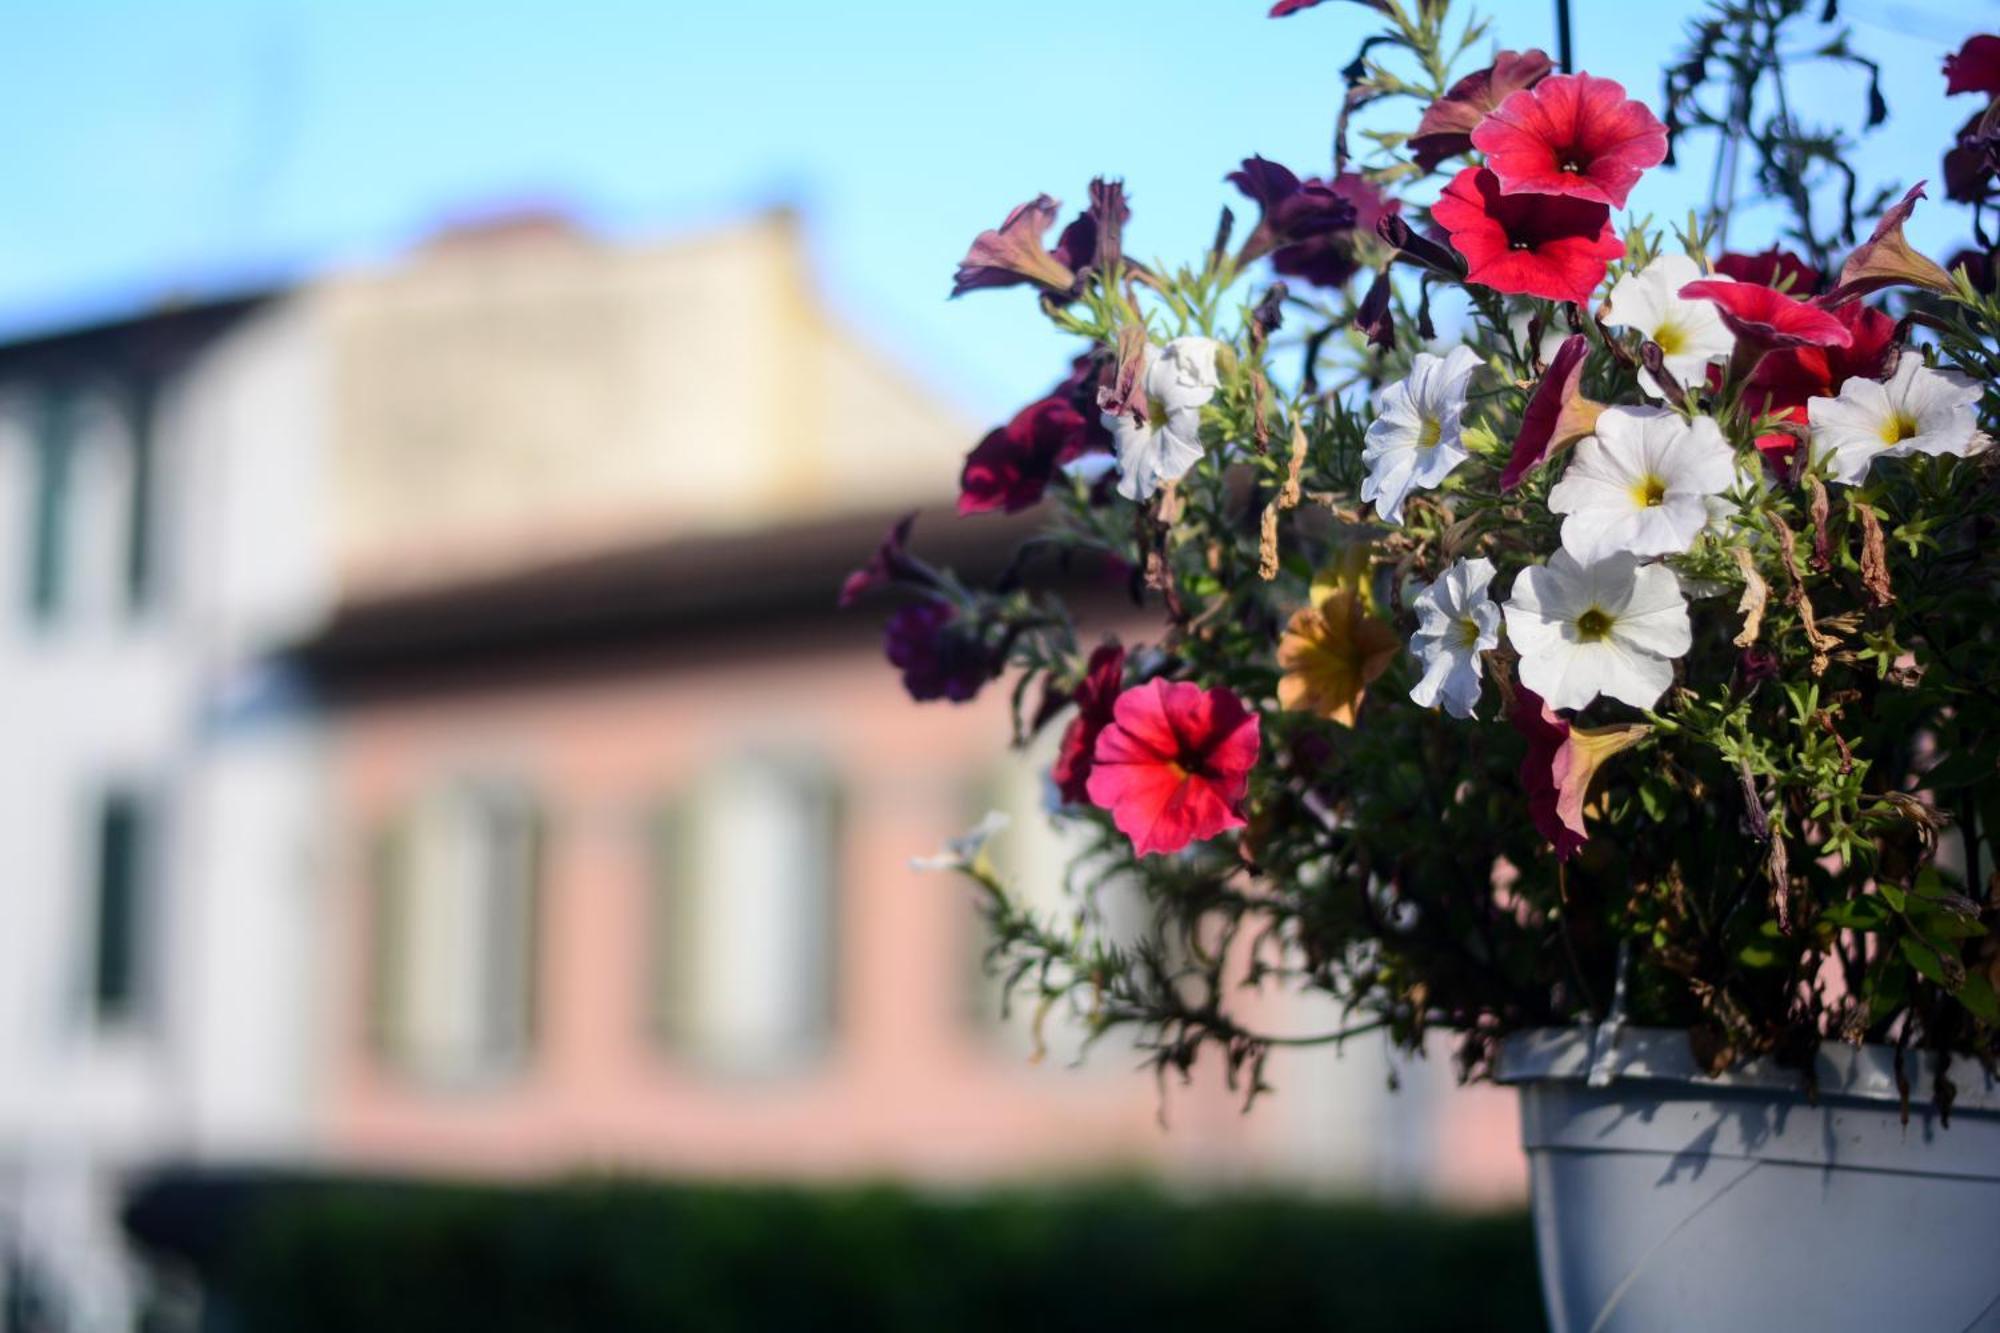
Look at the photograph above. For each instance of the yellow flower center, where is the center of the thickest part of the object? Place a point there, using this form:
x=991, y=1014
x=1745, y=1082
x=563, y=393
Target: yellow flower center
x=1902, y=426
x=1429, y=433
x=1467, y=632
x=1593, y=625
x=1649, y=492
x=1156, y=414
x=1670, y=338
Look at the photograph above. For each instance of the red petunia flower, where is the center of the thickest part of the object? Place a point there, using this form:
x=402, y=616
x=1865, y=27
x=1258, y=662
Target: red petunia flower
x=1772, y=268
x=1447, y=124
x=1557, y=415
x=1095, y=697
x=1174, y=765
x=1766, y=318
x=1561, y=762
x=1785, y=381
x=1527, y=245
x=1571, y=134
x=1974, y=67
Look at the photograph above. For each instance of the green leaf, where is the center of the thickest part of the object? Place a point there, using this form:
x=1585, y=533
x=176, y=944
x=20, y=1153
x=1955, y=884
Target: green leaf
x=1932, y=964
x=1893, y=896
x=1864, y=913
x=1977, y=995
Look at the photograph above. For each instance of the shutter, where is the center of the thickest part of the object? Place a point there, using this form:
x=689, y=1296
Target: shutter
x=672, y=930
x=387, y=940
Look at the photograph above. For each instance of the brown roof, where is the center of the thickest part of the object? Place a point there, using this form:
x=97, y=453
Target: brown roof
x=709, y=593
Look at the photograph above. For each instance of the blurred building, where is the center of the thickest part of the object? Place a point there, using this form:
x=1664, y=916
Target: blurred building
x=432, y=745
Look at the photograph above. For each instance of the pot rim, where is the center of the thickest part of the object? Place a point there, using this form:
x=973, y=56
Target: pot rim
x=1602, y=1054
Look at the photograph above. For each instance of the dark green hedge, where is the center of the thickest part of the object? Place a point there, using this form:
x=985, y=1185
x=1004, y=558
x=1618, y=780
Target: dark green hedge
x=309, y=1256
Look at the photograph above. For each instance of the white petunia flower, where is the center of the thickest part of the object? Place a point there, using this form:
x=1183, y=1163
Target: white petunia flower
x=1456, y=621
x=1414, y=441
x=1690, y=334
x=1918, y=411
x=1613, y=628
x=1646, y=483
x=1178, y=379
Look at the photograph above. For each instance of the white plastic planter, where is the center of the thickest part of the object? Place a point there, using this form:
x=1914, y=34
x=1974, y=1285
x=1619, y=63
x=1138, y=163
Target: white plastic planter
x=1665, y=1200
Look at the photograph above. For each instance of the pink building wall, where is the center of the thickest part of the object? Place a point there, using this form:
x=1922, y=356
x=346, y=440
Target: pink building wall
x=912, y=1084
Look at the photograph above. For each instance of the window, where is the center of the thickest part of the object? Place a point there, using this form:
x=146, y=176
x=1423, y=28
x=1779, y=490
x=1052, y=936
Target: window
x=744, y=916
x=140, y=521
x=1050, y=865
x=121, y=857
x=456, y=889
x=51, y=504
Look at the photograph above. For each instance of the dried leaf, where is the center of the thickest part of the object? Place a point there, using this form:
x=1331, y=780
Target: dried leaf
x=1755, y=594
x=1288, y=498
x=1821, y=643
x=1874, y=556
x=1822, y=556
x=1267, y=543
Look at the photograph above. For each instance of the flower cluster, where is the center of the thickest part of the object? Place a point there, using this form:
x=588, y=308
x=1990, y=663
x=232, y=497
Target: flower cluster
x=1716, y=527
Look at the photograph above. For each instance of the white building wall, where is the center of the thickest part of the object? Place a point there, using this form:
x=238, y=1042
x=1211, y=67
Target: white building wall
x=164, y=701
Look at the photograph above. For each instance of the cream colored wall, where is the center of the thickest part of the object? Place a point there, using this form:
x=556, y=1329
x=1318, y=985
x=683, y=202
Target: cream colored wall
x=524, y=397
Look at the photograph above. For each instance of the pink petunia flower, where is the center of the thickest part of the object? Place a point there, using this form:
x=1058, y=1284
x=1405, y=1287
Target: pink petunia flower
x=1574, y=135
x=1174, y=764
x=1557, y=415
x=1013, y=253
x=1562, y=759
x=1766, y=319
x=1447, y=124
x=1551, y=246
x=1095, y=697
x=1886, y=258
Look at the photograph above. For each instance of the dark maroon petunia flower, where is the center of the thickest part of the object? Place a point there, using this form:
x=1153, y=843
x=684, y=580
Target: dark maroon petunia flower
x=890, y=562
x=1012, y=467
x=1574, y=135
x=939, y=657
x=1557, y=415
x=1285, y=8
x=1553, y=247
x=1094, y=242
x=1447, y=124
x=1095, y=698
x=1974, y=67
x=1766, y=318
x=1308, y=227
x=1772, y=268
x=1972, y=164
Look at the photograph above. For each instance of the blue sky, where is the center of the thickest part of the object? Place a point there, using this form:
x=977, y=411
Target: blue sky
x=157, y=146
